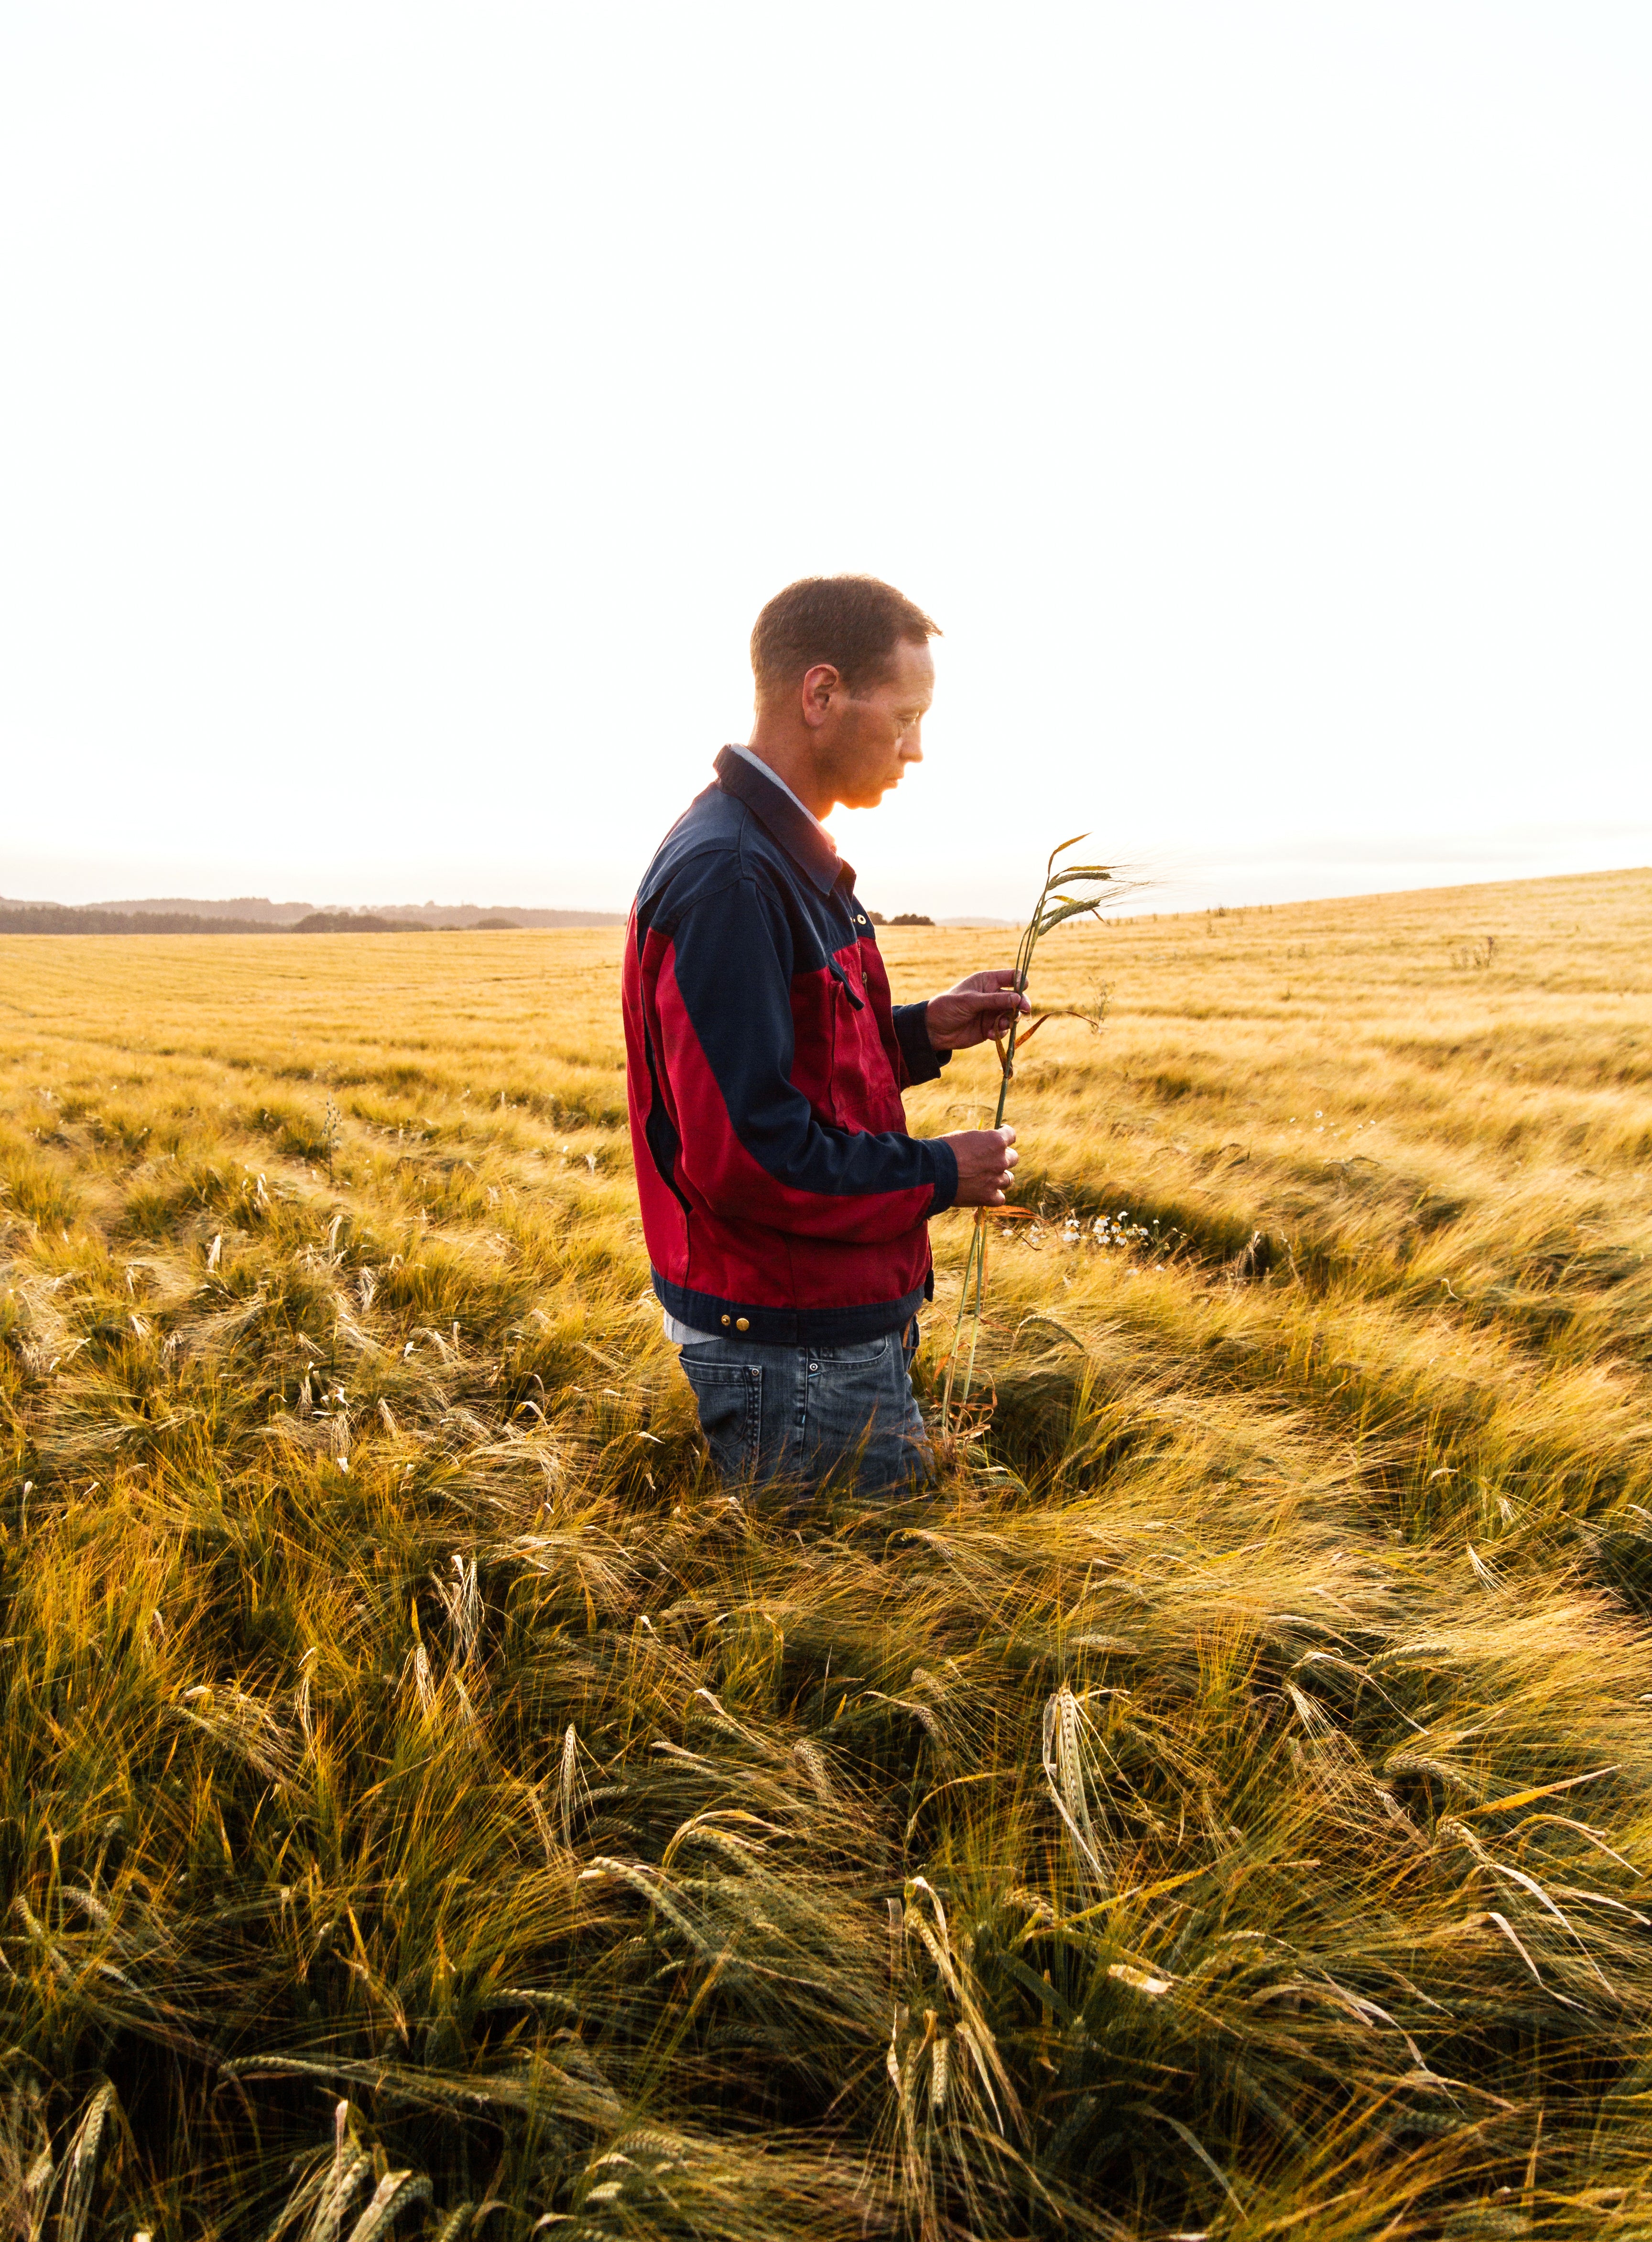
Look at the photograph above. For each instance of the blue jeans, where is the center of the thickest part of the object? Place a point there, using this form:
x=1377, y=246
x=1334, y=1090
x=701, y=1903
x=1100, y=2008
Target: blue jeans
x=799, y=1415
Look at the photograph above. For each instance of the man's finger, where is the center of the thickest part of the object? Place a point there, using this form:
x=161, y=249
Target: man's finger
x=997, y=978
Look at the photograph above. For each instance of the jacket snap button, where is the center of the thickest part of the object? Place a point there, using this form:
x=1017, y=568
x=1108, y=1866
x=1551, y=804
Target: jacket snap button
x=742, y=1323
x=725, y=1319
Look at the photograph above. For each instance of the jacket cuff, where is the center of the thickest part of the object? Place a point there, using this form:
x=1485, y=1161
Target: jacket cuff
x=946, y=1181
x=923, y=1061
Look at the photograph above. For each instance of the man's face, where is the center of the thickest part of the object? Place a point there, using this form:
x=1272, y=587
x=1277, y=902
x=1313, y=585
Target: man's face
x=865, y=739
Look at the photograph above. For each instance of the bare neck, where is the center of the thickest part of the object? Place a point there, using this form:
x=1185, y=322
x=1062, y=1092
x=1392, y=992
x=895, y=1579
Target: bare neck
x=788, y=750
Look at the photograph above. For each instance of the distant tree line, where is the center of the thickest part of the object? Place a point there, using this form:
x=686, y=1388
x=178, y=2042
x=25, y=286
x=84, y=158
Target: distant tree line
x=60, y=918
x=901, y=918
x=66, y=918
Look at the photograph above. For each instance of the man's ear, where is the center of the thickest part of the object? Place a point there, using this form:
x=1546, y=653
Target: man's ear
x=818, y=686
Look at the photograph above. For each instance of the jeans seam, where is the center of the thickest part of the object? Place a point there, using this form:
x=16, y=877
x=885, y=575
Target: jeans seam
x=800, y=1439
x=754, y=1415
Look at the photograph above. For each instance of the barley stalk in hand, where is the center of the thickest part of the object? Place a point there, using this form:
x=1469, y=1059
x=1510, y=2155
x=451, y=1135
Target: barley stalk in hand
x=1065, y=893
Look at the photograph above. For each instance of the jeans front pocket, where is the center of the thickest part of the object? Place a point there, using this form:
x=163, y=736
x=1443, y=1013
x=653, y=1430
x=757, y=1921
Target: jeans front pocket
x=860, y=1410
x=730, y=1399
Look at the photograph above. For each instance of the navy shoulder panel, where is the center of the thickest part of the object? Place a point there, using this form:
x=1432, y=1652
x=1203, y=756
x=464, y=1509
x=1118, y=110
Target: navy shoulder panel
x=719, y=841
x=701, y=853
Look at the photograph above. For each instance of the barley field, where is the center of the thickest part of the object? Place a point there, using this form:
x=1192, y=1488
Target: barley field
x=1222, y=1806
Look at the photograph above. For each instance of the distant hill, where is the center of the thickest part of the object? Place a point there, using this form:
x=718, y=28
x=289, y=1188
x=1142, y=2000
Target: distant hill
x=258, y=915
x=244, y=909
x=469, y=915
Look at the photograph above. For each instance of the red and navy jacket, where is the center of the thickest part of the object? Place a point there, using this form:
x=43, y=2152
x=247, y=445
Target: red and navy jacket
x=782, y=1200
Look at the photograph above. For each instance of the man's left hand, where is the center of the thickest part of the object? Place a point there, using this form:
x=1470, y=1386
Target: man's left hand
x=981, y=1007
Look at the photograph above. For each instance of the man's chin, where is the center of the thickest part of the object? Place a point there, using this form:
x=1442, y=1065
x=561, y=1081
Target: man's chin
x=869, y=795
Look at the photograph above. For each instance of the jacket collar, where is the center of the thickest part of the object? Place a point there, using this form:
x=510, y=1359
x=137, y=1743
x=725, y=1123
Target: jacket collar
x=795, y=830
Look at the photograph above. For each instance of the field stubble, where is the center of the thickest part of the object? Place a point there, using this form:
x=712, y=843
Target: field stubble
x=1224, y=1806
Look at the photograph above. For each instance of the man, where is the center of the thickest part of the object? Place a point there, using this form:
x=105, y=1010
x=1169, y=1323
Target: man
x=785, y=1205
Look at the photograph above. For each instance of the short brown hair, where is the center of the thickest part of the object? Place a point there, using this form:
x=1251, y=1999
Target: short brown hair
x=853, y=622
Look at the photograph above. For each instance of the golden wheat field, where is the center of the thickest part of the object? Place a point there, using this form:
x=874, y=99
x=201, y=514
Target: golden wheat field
x=1223, y=1807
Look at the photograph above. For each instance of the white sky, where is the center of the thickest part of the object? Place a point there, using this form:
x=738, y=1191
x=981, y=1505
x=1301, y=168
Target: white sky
x=405, y=410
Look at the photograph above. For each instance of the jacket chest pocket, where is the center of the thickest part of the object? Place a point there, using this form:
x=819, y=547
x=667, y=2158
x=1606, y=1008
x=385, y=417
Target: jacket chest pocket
x=819, y=1031
x=840, y=974
x=864, y=1092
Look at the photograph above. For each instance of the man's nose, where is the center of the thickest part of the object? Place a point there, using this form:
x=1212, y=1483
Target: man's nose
x=911, y=746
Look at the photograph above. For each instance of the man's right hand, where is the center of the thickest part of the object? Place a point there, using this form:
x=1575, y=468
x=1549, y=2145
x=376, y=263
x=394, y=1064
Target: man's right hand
x=986, y=1159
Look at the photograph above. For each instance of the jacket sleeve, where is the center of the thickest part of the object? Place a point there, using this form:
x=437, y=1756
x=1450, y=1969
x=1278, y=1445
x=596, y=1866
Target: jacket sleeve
x=753, y=1145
